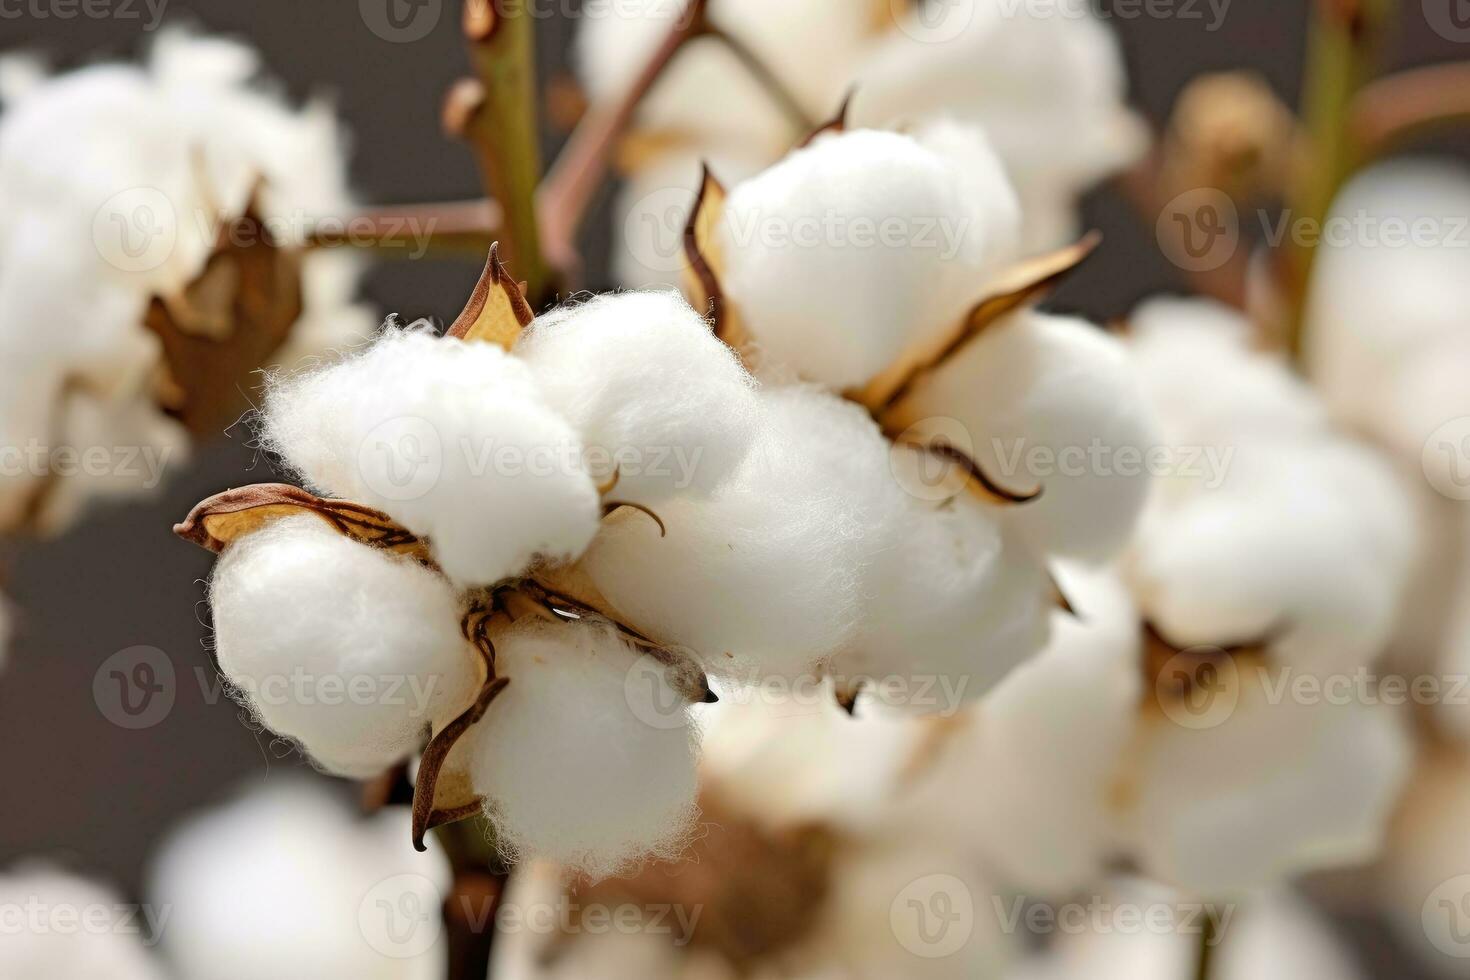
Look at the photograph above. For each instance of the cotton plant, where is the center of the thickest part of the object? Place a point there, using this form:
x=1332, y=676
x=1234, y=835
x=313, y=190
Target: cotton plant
x=803, y=872
x=59, y=924
x=152, y=260
x=286, y=880
x=1188, y=750
x=753, y=76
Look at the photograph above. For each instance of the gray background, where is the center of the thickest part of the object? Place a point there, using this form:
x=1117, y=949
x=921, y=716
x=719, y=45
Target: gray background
x=81, y=788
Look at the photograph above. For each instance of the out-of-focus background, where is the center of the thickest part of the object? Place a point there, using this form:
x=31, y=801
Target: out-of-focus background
x=96, y=793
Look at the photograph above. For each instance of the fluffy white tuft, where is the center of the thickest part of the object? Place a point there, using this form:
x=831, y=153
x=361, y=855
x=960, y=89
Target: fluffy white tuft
x=287, y=881
x=346, y=648
x=763, y=575
x=656, y=397
x=58, y=925
x=851, y=249
x=572, y=770
x=1052, y=402
x=453, y=439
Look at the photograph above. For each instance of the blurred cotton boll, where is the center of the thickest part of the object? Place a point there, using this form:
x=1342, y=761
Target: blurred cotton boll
x=116, y=182
x=644, y=381
x=1020, y=788
x=1048, y=85
x=1050, y=403
x=571, y=769
x=847, y=251
x=1273, y=935
x=1268, y=526
x=59, y=925
x=286, y=881
x=453, y=439
x=1385, y=338
x=350, y=650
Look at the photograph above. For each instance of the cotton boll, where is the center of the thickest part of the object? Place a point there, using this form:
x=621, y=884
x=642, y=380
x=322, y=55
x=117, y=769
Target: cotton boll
x=761, y=577
x=572, y=770
x=1273, y=935
x=1048, y=86
x=1307, y=544
x=665, y=404
x=1387, y=301
x=58, y=925
x=952, y=604
x=1027, y=782
x=1208, y=382
x=287, y=881
x=348, y=649
x=453, y=439
x=1051, y=402
x=1282, y=785
x=850, y=250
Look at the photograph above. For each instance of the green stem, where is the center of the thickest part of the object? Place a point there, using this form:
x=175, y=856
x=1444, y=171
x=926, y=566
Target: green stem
x=497, y=114
x=1341, y=57
x=413, y=230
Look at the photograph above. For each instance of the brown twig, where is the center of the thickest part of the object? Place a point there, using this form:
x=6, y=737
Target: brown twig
x=800, y=121
x=470, y=907
x=1390, y=110
x=409, y=230
x=581, y=169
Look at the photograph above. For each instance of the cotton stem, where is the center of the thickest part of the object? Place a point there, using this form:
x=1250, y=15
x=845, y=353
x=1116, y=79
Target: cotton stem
x=470, y=907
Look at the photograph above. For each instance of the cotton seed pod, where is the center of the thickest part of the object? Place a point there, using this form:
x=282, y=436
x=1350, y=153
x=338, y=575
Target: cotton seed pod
x=104, y=939
x=852, y=248
x=952, y=603
x=1020, y=788
x=664, y=405
x=574, y=759
x=1048, y=85
x=1281, y=785
x=761, y=577
x=1384, y=323
x=288, y=862
x=1047, y=403
x=452, y=439
x=349, y=650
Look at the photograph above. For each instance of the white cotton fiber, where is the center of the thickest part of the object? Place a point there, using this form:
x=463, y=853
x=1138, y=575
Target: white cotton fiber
x=60, y=926
x=655, y=396
x=762, y=577
x=453, y=439
x=1050, y=402
x=951, y=604
x=288, y=881
x=1283, y=785
x=347, y=649
x=848, y=251
x=1025, y=785
x=572, y=770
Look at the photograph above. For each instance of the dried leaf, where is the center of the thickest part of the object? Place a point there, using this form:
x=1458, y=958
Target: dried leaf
x=1022, y=285
x=837, y=124
x=706, y=263
x=444, y=792
x=497, y=310
x=218, y=521
x=978, y=482
x=226, y=325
